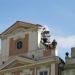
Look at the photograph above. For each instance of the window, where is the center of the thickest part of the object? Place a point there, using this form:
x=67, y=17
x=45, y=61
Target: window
x=44, y=73
x=41, y=73
x=26, y=74
x=19, y=44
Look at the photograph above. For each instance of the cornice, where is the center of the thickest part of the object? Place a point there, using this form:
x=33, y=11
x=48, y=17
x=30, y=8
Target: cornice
x=24, y=25
x=33, y=64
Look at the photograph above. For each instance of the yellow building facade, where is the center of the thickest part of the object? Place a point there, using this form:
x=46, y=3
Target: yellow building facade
x=27, y=50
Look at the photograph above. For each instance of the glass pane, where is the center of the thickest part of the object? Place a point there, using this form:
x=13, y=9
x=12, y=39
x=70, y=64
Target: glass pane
x=41, y=73
x=45, y=73
x=19, y=44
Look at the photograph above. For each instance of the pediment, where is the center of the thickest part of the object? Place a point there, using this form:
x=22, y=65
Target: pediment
x=19, y=25
x=16, y=62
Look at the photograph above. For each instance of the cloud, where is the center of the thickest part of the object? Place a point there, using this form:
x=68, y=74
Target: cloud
x=66, y=42
x=64, y=45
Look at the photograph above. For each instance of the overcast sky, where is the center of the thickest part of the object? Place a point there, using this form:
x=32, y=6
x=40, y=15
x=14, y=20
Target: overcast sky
x=57, y=15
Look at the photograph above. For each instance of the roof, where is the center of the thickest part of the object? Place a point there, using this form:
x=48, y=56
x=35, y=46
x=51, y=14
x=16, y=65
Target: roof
x=18, y=24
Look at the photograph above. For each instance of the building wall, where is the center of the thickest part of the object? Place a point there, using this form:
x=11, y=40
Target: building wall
x=26, y=72
x=8, y=73
x=70, y=63
x=34, y=69
x=69, y=72
x=53, y=69
x=33, y=41
x=0, y=59
x=12, y=47
x=39, y=37
x=4, y=49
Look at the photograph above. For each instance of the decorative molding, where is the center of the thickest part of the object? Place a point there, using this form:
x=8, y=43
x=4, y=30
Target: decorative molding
x=24, y=25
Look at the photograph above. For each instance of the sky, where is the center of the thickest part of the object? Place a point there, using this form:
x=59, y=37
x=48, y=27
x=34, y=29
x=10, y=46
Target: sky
x=57, y=15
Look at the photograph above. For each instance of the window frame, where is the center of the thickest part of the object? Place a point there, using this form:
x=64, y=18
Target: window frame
x=43, y=70
x=17, y=42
